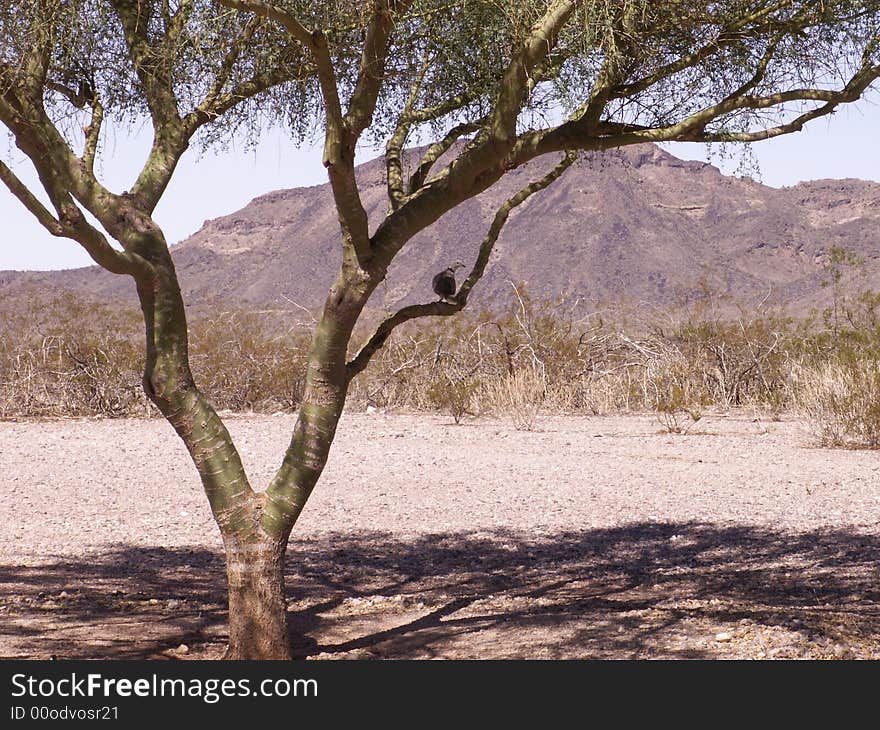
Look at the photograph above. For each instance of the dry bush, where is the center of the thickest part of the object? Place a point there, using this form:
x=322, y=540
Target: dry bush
x=841, y=401
x=66, y=357
x=61, y=359
x=518, y=397
x=62, y=356
x=474, y=351
x=739, y=353
x=835, y=380
x=242, y=365
x=60, y=376
x=676, y=393
x=454, y=387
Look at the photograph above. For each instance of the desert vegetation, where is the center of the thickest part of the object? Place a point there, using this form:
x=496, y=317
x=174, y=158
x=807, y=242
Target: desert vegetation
x=526, y=359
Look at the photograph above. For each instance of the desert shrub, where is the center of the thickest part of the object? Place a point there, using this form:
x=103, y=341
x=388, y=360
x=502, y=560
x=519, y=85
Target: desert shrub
x=61, y=359
x=60, y=376
x=454, y=386
x=676, y=391
x=241, y=364
x=707, y=353
x=454, y=394
x=835, y=379
x=517, y=396
x=66, y=357
x=739, y=353
x=63, y=356
x=841, y=401
x=462, y=356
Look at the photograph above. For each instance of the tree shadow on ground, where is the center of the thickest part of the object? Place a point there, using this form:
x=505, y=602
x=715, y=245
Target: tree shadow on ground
x=640, y=590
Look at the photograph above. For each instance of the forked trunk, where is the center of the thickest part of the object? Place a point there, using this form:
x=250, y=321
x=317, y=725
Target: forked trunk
x=257, y=606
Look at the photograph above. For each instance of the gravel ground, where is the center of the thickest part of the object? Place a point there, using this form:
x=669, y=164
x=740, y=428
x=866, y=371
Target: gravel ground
x=587, y=538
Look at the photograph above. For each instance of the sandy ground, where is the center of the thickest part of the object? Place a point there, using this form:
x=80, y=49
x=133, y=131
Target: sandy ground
x=587, y=538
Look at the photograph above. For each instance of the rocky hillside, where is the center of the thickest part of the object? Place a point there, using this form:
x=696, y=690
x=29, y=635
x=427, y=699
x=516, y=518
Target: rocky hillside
x=637, y=224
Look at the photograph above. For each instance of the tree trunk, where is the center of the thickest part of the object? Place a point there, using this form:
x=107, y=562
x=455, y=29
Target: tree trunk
x=257, y=606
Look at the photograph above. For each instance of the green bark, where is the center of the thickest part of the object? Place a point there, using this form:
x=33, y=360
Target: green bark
x=169, y=383
x=326, y=387
x=255, y=558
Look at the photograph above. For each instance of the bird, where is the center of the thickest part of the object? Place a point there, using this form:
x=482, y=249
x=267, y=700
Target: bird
x=444, y=282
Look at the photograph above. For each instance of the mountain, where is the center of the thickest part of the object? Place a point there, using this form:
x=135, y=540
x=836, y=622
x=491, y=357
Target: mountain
x=637, y=223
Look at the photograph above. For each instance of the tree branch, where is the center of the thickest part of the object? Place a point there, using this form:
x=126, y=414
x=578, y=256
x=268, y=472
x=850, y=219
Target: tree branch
x=273, y=12
x=30, y=201
x=372, y=68
x=169, y=135
x=796, y=125
x=93, y=135
x=515, y=83
x=72, y=224
x=573, y=135
x=500, y=219
x=389, y=324
x=338, y=145
x=441, y=109
x=437, y=150
x=227, y=65
x=212, y=108
x=760, y=69
x=157, y=87
x=76, y=226
x=394, y=146
x=36, y=65
x=731, y=34
x=175, y=24
x=471, y=170
x=459, y=301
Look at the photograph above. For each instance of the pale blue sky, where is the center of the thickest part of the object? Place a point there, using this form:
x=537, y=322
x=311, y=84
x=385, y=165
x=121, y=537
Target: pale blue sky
x=210, y=185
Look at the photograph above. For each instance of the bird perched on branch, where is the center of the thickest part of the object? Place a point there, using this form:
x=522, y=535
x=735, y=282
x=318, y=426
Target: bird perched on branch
x=444, y=283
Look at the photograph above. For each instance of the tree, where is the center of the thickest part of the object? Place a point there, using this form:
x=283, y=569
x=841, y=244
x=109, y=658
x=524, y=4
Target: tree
x=488, y=85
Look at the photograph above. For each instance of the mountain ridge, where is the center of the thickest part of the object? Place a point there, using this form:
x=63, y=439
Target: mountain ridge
x=637, y=223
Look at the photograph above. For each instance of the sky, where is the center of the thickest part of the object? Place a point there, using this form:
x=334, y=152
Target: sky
x=210, y=184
